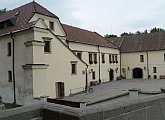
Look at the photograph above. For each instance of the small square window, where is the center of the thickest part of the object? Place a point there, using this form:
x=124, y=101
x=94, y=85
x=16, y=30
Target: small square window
x=9, y=76
x=9, y=49
x=47, y=46
x=51, y=25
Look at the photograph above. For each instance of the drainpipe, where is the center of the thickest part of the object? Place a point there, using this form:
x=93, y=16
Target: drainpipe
x=86, y=86
x=120, y=60
x=147, y=65
x=12, y=37
x=99, y=62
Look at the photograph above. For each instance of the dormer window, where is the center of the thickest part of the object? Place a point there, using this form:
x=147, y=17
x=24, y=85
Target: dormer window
x=51, y=25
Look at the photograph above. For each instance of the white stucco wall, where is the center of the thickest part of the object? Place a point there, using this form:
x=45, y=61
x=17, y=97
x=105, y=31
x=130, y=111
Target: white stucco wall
x=104, y=67
x=132, y=60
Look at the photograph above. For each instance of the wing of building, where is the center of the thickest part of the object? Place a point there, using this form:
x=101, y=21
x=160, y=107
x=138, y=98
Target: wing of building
x=142, y=56
x=40, y=57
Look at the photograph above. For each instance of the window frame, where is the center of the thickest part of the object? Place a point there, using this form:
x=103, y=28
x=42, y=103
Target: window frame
x=51, y=25
x=154, y=69
x=74, y=71
x=90, y=58
x=79, y=55
x=10, y=76
x=103, y=57
x=95, y=58
x=9, y=49
x=141, y=58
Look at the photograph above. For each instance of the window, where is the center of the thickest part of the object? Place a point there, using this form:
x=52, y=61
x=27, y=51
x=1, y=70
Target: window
x=47, y=46
x=79, y=54
x=93, y=75
x=113, y=60
x=116, y=59
x=155, y=76
x=103, y=58
x=164, y=57
x=141, y=58
x=74, y=68
x=90, y=58
x=110, y=60
x=95, y=58
x=9, y=49
x=154, y=70
x=9, y=76
x=51, y=25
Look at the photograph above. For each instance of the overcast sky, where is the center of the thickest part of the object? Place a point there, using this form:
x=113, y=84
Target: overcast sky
x=103, y=16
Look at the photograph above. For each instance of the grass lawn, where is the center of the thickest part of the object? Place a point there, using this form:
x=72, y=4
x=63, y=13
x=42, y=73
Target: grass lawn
x=11, y=105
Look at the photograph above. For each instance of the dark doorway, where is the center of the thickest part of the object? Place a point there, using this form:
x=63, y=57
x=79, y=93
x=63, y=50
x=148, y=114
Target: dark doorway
x=137, y=73
x=111, y=74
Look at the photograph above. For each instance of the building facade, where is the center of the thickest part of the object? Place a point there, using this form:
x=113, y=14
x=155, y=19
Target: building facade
x=40, y=60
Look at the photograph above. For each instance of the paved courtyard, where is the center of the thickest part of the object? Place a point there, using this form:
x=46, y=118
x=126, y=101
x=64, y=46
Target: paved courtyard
x=116, y=88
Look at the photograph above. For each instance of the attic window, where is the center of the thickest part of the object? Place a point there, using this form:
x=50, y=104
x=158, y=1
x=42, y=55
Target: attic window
x=51, y=25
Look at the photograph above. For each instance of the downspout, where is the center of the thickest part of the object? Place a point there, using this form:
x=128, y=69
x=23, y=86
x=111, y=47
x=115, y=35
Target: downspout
x=13, y=62
x=86, y=80
x=99, y=62
x=147, y=65
x=120, y=61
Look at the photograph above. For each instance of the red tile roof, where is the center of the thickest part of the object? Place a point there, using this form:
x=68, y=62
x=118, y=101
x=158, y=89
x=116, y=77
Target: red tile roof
x=25, y=14
x=139, y=43
x=75, y=34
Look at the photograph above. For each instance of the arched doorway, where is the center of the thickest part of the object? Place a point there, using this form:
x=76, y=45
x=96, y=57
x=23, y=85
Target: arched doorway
x=111, y=74
x=137, y=73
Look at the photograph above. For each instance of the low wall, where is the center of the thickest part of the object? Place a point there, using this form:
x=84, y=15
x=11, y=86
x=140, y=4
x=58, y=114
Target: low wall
x=151, y=108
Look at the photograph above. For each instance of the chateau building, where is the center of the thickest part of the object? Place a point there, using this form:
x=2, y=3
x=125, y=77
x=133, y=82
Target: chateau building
x=40, y=57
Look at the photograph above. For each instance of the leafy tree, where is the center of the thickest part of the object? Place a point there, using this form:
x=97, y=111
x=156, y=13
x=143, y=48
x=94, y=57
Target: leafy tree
x=3, y=11
x=153, y=30
x=110, y=36
x=124, y=34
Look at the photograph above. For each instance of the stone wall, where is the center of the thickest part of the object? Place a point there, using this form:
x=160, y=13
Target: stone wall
x=151, y=108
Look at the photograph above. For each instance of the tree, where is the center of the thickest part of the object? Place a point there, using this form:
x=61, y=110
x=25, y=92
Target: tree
x=3, y=11
x=110, y=36
x=124, y=34
x=153, y=30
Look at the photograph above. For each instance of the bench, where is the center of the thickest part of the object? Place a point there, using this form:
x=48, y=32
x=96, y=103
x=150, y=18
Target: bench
x=162, y=76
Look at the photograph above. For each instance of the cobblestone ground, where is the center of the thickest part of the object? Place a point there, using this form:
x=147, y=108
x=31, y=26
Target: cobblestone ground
x=118, y=87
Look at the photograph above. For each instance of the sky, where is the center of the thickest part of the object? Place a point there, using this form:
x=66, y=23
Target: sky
x=103, y=16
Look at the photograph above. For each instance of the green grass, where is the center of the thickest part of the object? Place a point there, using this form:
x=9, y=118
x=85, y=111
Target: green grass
x=11, y=105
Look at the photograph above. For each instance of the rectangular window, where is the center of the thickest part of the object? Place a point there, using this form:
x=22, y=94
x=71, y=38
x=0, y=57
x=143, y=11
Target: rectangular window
x=113, y=59
x=154, y=70
x=90, y=58
x=47, y=46
x=74, y=68
x=51, y=25
x=93, y=75
x=9, y=76
x=141, y=58
x=110, y=59
x=116, y=59
x=103, y=58
x=95, y=58
x=79, y=54
x=164, y=57
x=9, y=49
